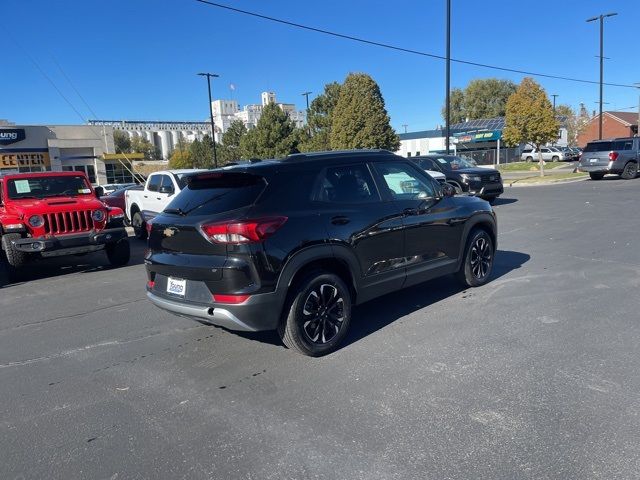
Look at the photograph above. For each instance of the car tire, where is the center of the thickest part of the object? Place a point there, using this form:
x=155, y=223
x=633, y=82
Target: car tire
x=320, y=304
x=555, y=158
x=630, y=171
x=139, y=226
x=118, y=253
x=15, y=258
x=596, y=176
x=528, y=159
x=478, y=258
x=455, y=185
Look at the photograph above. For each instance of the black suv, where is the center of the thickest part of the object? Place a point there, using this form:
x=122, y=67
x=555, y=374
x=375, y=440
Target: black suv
x=294, y=244
x=464, y=176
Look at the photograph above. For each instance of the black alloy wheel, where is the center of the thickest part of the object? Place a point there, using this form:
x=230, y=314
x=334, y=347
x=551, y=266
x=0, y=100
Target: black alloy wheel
x=318, y=315
x=478, y=259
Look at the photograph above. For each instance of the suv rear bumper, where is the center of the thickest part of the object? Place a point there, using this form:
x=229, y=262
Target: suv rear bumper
x=260, y=312
x=70, y=244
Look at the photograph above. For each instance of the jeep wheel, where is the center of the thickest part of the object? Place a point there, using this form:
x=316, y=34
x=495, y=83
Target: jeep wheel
x=139, y=226
x=318, y=316
x=596, y=176
x=118, y=253
x=630, y=171
x=478, y=259
x=15, y=257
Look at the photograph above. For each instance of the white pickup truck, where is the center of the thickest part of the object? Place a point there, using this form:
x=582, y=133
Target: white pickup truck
x=159, y=190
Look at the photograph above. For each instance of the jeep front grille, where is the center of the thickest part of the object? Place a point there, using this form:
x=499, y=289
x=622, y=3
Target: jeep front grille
x=68, y=222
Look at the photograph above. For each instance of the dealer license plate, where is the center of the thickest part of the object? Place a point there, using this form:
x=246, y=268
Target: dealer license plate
x=177, y=286
x=593, y=160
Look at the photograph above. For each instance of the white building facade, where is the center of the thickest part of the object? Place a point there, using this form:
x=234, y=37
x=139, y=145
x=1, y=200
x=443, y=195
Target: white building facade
x=225, y=112
x=164, y=135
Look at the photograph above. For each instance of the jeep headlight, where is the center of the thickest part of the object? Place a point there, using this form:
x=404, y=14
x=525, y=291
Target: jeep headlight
x=98, y=216
x=471, y=178
x=36, y=221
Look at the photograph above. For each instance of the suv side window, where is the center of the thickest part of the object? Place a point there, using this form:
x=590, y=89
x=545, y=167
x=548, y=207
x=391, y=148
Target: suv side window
x=154, y=183
x=623, y=145
x=346, y=184
x=403, y=182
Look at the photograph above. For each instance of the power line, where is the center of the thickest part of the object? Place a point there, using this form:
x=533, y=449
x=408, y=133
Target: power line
x=402, y=49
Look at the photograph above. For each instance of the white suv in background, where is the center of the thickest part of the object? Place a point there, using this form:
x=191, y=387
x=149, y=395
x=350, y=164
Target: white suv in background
x=552, y=154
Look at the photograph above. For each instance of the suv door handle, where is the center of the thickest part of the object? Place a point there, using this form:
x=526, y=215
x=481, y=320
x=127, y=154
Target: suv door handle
x=340, y=220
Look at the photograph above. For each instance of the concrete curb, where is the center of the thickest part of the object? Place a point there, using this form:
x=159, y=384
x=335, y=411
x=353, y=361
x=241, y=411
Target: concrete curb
x=555, y=182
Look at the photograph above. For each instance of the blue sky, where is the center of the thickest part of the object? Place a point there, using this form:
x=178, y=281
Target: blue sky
x=138, y=59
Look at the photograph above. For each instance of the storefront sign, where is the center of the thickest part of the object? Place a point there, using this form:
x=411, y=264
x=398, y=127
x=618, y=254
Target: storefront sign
x=11, y=135
x=480, y=136
x=15, y=160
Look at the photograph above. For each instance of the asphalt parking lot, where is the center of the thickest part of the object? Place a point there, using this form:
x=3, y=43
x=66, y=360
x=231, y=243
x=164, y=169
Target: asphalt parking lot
x=534, y=375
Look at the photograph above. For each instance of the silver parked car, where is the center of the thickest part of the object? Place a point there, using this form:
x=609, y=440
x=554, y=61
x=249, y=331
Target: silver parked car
x=552, y=154
x=619, y=156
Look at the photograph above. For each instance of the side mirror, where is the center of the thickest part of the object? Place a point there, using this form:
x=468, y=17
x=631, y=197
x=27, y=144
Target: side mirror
x=168, y=189
x=99, y=191
x=448, y=190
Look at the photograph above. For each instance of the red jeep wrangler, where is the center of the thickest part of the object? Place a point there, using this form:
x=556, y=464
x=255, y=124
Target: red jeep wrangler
x=56, y=213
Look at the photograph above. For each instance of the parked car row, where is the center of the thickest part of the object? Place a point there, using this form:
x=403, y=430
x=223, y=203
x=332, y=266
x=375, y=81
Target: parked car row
x=619, y=156
x=550, y=154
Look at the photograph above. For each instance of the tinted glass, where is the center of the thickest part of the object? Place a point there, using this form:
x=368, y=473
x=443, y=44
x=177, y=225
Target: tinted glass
x=453, y=163
x=42, y=187
x=426, y=164
x=599, y=147
x=166, y=181
x=623, y=145
x=347, y=184
x=212, y=193
x=154, y=183
x=403, y=182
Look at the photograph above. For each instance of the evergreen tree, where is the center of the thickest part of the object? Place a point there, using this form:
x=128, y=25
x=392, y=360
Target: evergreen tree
x=272, y=137
x=320, y=118
x=530, y=118
x=121, y=141
x=230, y=150
x=360, y=119
x=201, y=152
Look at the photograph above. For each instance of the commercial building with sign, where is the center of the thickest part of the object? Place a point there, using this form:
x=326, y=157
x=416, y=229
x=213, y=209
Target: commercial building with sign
x=480, y=140
x=29, y=148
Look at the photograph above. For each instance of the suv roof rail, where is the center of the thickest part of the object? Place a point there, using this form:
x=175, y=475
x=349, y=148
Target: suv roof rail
x=335, y=154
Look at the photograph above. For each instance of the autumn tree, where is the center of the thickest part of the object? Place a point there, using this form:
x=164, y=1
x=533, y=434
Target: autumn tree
x=530, y=118
x=144, y=146
x=272, y=137
x=360, y=119
x=181, y=155
x=482, y=98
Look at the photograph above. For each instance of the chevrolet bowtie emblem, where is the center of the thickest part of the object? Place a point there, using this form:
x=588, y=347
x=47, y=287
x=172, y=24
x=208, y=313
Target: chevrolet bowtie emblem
x=169, y=232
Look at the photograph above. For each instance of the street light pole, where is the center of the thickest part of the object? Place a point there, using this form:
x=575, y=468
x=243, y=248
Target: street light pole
x=637, y=85
x=213, y=131
x=306, y=95
x=448, y=79
x=593, y=19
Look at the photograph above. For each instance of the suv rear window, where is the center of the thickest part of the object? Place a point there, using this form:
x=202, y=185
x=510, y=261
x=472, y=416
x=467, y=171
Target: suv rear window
x=212, y=193
x=609, y=146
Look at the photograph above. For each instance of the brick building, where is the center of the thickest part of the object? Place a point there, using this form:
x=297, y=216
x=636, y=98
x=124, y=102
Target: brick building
x=614, y=124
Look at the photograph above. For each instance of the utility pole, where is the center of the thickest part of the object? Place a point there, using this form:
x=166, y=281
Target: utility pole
x=638, y=127
x=554, y=95
x=213, y=131
x=405, y=127
x=448, y=79
x=593, y=19
x=306, y=95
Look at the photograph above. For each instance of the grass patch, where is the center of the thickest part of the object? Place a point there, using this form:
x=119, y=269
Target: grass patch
x=519, y=167
x=552, y=178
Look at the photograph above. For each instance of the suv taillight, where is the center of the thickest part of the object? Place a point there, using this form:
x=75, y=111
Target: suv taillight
x=246, y=231
x=613, y=156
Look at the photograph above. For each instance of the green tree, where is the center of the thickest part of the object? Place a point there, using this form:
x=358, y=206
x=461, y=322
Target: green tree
x=360, y=119
x=482, y=98
x=230, y=149
x=121, y=141
x=320, y=118
x=530, y=118
x=144, y=146
x=201, y=152
x=272, y=137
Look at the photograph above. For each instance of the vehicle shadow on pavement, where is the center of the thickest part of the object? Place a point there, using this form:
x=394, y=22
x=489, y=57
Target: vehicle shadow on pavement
x=503, y=201
x=58, y=266
x=377, y=314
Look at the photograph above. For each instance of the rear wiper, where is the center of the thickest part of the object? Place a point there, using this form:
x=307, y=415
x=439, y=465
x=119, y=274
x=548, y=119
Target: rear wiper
x=177, y=211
